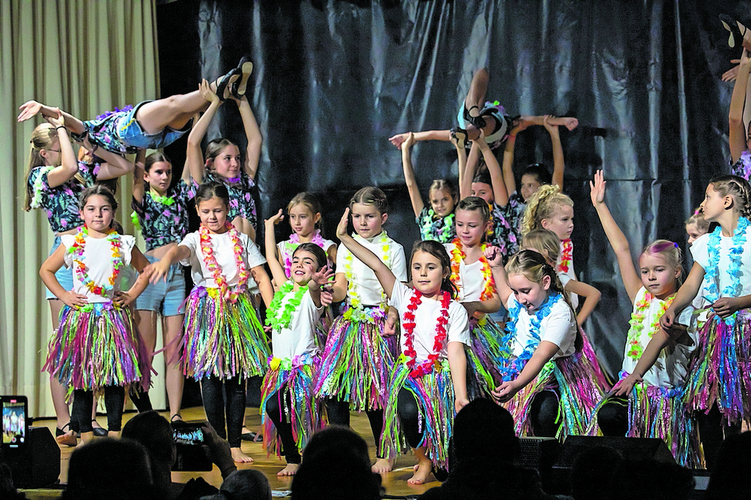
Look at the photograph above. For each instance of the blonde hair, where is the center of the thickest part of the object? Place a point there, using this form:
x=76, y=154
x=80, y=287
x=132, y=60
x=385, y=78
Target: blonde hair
x=371, y=196
x=545, y=242
x=475, y=204
x=542, y=206
x=41, y=138
x=311, y=203
x=698, y=218
x=738, y=188
x=443, y=184
x=671, y=252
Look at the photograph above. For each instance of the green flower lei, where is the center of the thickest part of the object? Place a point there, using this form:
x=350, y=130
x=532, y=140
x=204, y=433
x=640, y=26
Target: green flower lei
x=281, y=321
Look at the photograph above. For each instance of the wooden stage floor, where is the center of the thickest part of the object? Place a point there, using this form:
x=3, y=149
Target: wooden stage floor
x=394, y=482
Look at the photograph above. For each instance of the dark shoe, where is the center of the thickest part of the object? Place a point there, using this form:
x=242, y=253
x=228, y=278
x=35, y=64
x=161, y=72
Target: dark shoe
x=478, y=121
x=731, y=25
x=459, y=137
x=243, y=70
x=63, y=438
x=176, y=418
x=98, y=431
x=253, y=437
x=224, y=85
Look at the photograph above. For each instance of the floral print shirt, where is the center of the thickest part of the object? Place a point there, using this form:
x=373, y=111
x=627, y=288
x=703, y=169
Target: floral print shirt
x=241, y=200
x=61, y=202
x=164, y=221
x=506, y=222
x=441, y=229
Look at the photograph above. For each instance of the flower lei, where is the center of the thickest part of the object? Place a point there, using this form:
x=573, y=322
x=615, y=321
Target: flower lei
x=278, y=321
x=408, y=327
x=509, y=371
x=711, y=275
x=79, y=244
x=444, y=233
x=354, y=298
x=293, y=242
x=164, y=200
x=637, y=322
x=568, y=249
x=457, y=256
x=211, y=264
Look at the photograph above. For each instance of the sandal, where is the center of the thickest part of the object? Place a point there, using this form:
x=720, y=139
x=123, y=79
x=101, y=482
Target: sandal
x=63, y=438
x=459, y=137
x=178, y=419
x=244, y=69
x=731, y=25
x=223, y=82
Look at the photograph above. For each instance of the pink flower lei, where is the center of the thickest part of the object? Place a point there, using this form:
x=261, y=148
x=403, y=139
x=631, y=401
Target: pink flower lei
x=293, y=243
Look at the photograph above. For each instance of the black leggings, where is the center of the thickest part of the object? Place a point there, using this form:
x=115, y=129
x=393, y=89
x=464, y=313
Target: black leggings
x=712, y=431
x=83, y=404
x=408, y=410
x=613, y=416
x=141, y=400
x=543, y=414
x=219, y=394
x=338, y=412
x=283, y=427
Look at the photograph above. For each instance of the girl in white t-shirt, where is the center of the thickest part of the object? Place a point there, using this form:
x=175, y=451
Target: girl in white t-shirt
x=287, y=391
x=304, y=214
x=542, y=380
x=647, y=401
x=97, y=345
x=224, y=342
x=473, y=279
x=428, y=384
x=718, y=386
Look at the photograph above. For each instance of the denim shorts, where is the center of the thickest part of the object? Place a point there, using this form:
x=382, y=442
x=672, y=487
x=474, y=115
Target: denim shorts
x=131, y=133
x=163, y=297
x=64, y=275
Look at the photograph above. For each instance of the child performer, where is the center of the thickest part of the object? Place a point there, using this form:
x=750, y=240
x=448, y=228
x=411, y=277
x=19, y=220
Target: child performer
x=550, y=209
x=696, y=226
x=287, y=392
x=357, y=360
x=473, y=279
x=223, y=163
x=304, y=213
x=648, y=402
x=719, y=377
x=97, y=344
x=223, y=343
x=428, y=383
x=541, y=378
x=437, y=221
x=161, y=212
x=148, y=125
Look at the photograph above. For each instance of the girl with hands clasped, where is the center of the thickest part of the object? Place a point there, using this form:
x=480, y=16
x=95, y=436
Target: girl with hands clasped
x=648, y=399
x=541, y=378
x=223, y=342
x=718, y=386
x=288, y=390
x=428, y=385
x=97, y=345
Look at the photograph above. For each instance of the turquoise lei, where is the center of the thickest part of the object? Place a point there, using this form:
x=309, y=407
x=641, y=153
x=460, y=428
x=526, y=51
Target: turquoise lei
x=711, y=275
x=444, y=235
x=513, y=367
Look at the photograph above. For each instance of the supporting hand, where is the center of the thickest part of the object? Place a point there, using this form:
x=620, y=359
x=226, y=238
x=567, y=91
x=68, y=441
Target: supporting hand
x=597, y=189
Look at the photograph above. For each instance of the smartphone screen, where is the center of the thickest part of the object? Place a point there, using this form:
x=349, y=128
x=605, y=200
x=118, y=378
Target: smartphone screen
x=15, y=415
x=188, y=434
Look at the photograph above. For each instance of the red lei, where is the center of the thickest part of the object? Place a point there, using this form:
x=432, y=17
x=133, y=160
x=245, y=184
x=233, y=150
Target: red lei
x=568, y=249
x=408, y=326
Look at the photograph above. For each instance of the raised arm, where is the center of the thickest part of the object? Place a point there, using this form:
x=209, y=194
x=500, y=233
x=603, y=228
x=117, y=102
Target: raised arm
x=461, y=157
x=382, y=272
x=193, y=155
x=495, y=258
x=68, y=167
x=277, y=271
x=508, y=163
x=139, y=184
x=591, y=298
x=30, y=109
x=617, y=239
x=427, y=135
x=737, y=130
x=409, y=175
x=494, y=169
x=558, y=163
x=253, y=134
x=470, y=168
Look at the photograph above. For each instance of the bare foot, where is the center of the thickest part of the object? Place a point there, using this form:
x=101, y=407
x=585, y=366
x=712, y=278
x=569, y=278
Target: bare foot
x=382, y=466
x=422, y=472
x=290, y=470
x=86, y=437
x=239, y=457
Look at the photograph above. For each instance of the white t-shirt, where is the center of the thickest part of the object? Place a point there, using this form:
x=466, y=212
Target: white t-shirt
x=558, y=327
x=224, y=255
x=298, y=338
x=367, y=285
x=97, y=256
x=426, y=320
x=470, y=276
x=565, y=278
x=670, y=369
x=700, y=252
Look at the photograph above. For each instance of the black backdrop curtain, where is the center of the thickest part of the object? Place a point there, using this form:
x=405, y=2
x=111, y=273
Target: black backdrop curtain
x=334, y=79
